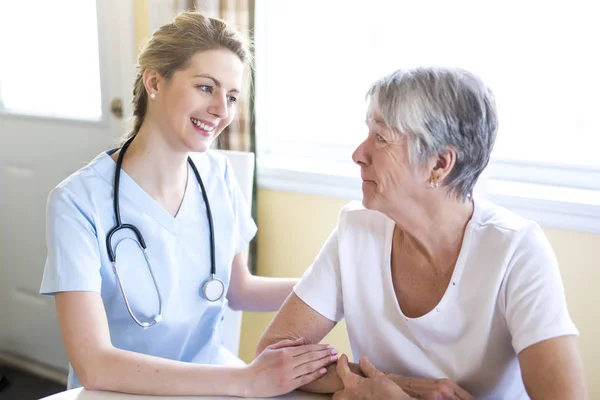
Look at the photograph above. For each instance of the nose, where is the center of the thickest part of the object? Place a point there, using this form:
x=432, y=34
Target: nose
x=361, y=155
x=218, y=107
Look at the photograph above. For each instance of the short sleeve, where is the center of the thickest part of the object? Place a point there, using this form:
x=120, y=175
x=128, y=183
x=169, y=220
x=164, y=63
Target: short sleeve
x=320, y=287
x=73, y=257
x=244, y=224
x=536, y=307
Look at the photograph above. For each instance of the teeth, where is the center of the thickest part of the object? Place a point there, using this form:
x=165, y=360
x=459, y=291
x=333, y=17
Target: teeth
x=202, y=125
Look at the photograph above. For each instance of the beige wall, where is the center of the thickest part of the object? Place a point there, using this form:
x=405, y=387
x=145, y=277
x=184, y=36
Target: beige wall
x=293, y=228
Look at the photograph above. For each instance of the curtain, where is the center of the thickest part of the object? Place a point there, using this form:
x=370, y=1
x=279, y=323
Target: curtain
x=240, y=135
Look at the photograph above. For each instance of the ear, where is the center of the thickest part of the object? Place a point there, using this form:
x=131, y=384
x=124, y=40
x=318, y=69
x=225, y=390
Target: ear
x=151, y=81
x=443, y=164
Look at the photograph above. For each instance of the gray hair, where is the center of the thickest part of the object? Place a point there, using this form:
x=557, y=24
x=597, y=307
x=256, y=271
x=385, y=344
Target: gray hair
x=439, y=108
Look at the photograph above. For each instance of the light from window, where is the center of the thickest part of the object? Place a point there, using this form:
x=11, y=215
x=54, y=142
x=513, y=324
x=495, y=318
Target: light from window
x=49, y=53
x=316, y=59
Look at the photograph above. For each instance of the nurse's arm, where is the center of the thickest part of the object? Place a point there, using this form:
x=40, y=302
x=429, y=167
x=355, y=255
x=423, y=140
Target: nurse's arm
x=256, y=293
x=297, y=320
x=101, y=366
x=553, y=369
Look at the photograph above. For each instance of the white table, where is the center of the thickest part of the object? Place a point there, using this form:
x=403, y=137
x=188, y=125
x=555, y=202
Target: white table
x=82, y=394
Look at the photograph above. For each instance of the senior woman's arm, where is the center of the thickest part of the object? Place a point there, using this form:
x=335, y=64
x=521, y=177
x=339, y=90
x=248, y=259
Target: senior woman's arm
x=553, y=369
x=296, y=319
x=543, y=334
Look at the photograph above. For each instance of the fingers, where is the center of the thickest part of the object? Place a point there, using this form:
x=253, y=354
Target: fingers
x=462, y=394
x=315, y=355
x=287, y=343
x=451, y=390
x=307, y=348
x=343, y=370
x=447, y=389
x=311, y=366
x=308, y=378
x=367, y=368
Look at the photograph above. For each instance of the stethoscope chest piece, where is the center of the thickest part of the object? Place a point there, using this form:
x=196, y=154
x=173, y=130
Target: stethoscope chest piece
x=213, y=289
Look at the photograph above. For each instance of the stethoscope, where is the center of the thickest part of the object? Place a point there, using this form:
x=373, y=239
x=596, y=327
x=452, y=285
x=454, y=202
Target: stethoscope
x=213, y=289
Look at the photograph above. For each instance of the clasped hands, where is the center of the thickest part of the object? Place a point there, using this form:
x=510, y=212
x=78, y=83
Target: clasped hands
x=376, y=385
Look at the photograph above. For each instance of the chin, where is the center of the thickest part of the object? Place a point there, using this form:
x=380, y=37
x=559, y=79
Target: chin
x=367, y=202
x=199, y=146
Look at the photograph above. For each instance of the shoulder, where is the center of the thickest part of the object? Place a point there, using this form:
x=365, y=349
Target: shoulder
x=78, y=195
x=354, y=212
x=86, y=181
x=355, y=217
x=509, y=230
x=490, y=215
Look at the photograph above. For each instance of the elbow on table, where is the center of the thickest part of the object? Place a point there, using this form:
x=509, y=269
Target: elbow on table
x=90, y=379
x=92, y=373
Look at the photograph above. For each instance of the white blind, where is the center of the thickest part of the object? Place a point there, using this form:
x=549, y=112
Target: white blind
x=316, y=59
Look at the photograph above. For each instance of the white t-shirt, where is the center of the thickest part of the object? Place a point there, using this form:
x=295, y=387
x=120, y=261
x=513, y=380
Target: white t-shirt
x=505, y=294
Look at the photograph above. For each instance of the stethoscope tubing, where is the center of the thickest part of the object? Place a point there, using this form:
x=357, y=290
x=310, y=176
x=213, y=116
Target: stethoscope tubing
x=142, y=244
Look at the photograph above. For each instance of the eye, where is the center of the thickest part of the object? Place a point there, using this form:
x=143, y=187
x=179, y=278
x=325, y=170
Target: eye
x=232, y=99
x=379, y=138
x=205, y=88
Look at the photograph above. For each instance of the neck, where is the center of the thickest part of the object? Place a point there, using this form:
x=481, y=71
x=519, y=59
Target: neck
x=434, y=231
x=155, y=165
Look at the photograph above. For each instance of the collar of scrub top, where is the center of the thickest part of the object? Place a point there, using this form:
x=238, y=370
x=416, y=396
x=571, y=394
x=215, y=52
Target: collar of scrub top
x=213, y=289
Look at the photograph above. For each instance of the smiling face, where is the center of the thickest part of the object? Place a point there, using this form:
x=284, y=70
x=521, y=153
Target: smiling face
x=389, y=179
x=196, y=103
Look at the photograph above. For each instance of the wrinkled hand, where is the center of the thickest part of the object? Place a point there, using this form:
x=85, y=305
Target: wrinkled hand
x=433, y=389
x=287, y=365
x=374, y=385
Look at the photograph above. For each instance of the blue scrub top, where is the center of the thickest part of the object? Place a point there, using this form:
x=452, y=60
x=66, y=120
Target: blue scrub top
x=79, y=216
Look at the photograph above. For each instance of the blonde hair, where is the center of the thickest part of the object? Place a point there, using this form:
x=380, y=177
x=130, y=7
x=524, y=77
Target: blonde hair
x=171, y=47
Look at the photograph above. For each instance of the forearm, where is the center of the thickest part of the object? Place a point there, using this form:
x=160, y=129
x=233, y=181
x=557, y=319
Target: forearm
x=407, y=384
x=265, y=294
x=129, y=372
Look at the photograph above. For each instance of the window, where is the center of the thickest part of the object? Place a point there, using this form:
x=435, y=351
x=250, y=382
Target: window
x=316, y=59
x=53, y=68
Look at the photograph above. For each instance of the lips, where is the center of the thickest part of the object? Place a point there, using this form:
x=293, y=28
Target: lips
x=205, y=128
x=204, y=125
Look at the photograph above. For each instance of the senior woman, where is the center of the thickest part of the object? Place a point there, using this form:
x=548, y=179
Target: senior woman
x=450, y=295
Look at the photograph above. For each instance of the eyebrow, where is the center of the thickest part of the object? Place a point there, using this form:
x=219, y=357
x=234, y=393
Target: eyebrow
x=216, y=81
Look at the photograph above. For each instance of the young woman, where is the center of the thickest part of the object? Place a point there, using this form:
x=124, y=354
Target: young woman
x=145, y=243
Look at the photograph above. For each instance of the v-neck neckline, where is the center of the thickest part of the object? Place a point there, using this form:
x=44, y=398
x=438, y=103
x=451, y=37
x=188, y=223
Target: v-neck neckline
x=129, y=188
x=455, y=279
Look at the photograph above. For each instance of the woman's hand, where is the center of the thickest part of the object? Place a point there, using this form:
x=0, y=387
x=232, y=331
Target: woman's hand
x=287, y=365
x=432, y=389
x=373, y=386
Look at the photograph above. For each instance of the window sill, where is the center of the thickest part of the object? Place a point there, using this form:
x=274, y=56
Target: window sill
x=343, y=182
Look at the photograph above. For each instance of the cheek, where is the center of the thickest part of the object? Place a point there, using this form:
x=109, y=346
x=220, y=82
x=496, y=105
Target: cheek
x=226, y=122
